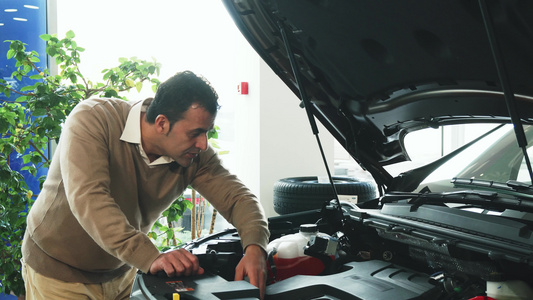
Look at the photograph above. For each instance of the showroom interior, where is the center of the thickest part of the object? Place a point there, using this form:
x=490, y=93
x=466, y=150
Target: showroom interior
x=264, y=133
x=253, y=127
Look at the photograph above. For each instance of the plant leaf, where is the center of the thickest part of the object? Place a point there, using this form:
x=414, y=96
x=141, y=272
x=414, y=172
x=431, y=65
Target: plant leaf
x=45, y=37
x=70, y=34
x=130, y=83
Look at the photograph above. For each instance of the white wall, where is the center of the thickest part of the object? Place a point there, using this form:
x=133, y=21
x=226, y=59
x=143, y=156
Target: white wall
x=274, y=139
x=269, y=135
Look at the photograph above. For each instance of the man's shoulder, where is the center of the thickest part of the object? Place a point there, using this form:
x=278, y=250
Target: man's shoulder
x=110, y=107
x=94, y=111
x=105, y=102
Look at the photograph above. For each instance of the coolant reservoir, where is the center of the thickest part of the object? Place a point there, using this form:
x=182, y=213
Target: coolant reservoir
x=509, y=290
x=287, y=257
x=293, y=245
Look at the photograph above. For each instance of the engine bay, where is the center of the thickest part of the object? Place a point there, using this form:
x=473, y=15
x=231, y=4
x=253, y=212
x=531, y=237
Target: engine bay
x=400, y=251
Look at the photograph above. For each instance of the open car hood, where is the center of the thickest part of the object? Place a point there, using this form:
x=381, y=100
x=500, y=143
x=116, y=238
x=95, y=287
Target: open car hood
x=375, y=70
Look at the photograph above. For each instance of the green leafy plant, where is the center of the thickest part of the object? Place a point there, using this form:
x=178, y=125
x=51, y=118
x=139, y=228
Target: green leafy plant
x=34, y=118
x=164, y=232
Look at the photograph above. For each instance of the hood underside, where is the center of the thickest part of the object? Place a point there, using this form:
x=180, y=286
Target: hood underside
x=376, y=70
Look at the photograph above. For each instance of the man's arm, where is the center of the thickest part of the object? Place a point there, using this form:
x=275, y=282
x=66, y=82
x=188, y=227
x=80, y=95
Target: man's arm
x=232, y=199
x=253, y=265
x=237, y=204
x=177, y=263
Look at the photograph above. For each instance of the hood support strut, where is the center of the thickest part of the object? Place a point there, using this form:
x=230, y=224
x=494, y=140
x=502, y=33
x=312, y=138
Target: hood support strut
x=506, y=87
x=307, y=106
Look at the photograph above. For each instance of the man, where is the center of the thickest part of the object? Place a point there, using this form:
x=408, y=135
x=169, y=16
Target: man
x=116, y=168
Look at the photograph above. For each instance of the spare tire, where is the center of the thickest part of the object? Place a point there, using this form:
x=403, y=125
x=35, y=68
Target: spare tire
x=295, y=194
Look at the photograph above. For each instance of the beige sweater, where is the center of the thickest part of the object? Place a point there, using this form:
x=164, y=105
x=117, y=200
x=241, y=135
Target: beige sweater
x=100, y=198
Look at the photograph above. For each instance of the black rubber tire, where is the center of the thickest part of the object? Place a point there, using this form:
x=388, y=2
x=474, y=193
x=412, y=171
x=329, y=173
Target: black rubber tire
x=296, y=194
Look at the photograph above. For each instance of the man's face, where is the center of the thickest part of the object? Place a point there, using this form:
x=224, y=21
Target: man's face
x=188, y=136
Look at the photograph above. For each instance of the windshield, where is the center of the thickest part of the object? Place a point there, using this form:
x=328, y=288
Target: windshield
x=496, y=157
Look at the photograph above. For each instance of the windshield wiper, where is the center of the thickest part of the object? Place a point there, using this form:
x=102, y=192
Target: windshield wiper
x=438, y=198
x=483, y=199
x=511, y=187
x=483, y=193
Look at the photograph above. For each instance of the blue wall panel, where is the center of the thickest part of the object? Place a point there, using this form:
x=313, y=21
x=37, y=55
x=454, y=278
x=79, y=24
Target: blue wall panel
x=22, y=20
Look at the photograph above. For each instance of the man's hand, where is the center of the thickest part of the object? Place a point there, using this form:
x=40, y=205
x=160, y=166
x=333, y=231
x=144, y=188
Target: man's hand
x=179, y=262
x=253, y=264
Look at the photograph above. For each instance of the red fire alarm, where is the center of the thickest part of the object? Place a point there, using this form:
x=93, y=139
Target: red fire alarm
x=242, y=88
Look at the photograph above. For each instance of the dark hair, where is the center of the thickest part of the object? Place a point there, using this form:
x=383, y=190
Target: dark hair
x=178, y=93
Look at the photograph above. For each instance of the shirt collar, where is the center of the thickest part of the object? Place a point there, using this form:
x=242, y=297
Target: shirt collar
x=132, y=132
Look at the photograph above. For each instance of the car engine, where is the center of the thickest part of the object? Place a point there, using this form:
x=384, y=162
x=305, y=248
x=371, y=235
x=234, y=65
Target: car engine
x=402, y=250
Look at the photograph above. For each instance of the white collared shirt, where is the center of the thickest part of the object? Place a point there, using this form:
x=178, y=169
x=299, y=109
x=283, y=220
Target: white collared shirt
x=132, y=132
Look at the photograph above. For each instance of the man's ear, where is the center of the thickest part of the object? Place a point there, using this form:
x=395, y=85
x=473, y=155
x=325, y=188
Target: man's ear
x=162, y=124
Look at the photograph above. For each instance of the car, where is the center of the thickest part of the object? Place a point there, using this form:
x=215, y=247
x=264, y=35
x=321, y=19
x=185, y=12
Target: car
x=375, y=73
